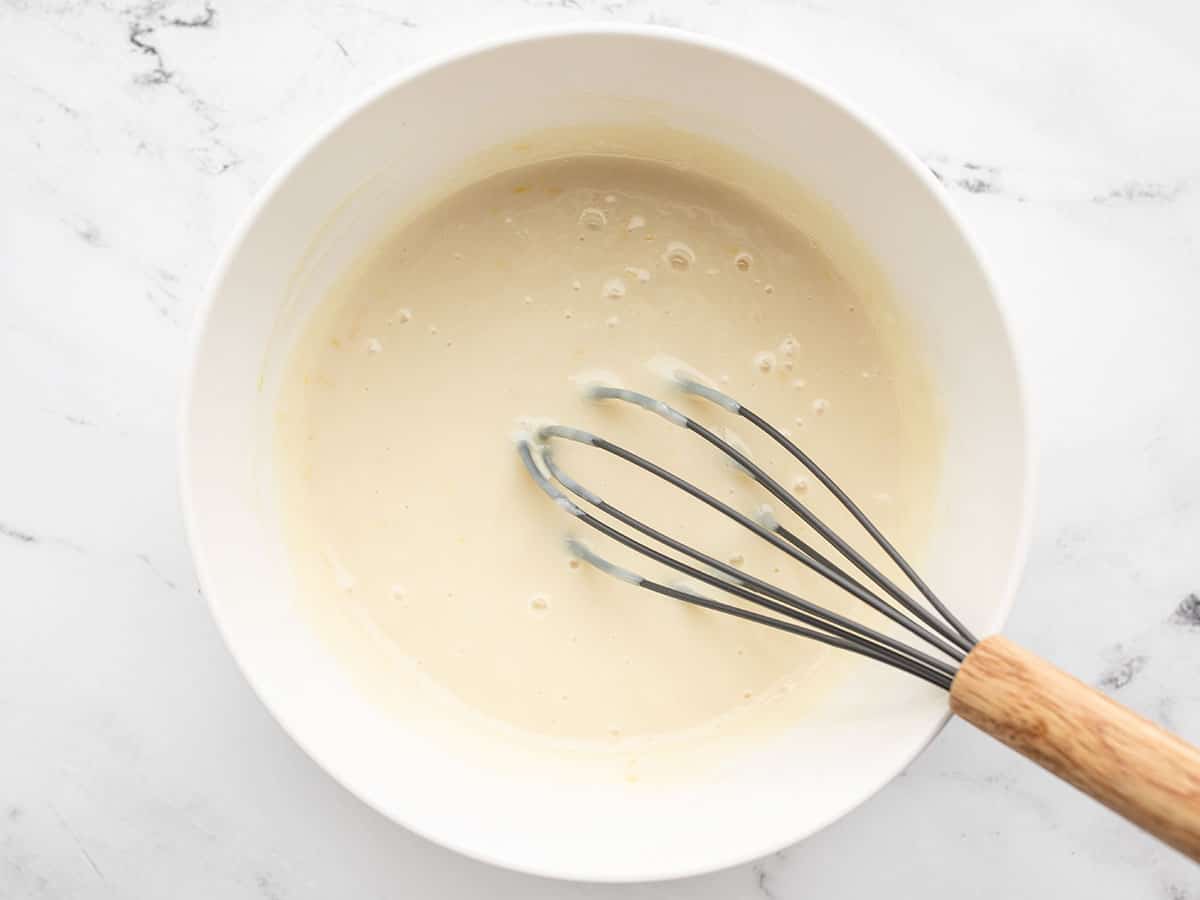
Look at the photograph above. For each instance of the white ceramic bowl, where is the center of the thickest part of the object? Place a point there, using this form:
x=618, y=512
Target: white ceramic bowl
x=313, y=217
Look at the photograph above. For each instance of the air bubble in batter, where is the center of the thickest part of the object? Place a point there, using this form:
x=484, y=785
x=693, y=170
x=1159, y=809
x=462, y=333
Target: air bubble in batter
x=614, y=288
x=593, y=218
x=679, y=256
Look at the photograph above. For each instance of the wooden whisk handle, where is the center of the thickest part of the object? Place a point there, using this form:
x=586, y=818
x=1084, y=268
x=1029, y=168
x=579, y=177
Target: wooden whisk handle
x=1128, y=763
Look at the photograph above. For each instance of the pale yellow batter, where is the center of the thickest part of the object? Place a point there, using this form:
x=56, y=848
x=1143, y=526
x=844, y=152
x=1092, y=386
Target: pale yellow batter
x=412, y=519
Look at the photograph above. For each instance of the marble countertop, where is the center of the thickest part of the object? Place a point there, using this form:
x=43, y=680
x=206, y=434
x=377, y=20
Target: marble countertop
x=135, y=762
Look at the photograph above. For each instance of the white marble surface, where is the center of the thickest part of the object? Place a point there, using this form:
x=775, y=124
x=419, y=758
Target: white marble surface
x=134, y=761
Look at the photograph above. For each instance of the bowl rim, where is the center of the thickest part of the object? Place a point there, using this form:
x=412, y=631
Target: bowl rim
x=652, y=33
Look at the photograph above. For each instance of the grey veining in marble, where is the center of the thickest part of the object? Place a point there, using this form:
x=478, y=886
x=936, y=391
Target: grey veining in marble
x=134, y=761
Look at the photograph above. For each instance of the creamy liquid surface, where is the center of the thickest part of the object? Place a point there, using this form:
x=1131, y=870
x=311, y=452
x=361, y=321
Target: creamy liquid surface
x=428, y=558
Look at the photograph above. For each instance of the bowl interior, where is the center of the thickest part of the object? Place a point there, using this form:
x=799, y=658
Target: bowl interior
x=383, y=157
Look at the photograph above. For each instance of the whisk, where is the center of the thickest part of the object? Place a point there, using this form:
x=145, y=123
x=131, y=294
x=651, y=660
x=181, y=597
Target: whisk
x=1140, y=771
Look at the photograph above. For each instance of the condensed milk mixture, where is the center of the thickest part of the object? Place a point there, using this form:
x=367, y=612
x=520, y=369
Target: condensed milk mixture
x=425, y=553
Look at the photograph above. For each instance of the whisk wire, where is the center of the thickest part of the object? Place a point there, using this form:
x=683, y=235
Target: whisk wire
x=850, y=506
x=833, y=574
x=743, y=580
x=937, y=678
x=582, y=551
x=605, y=392
x=855, y=638
x=691, y=386
x=791, y=613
